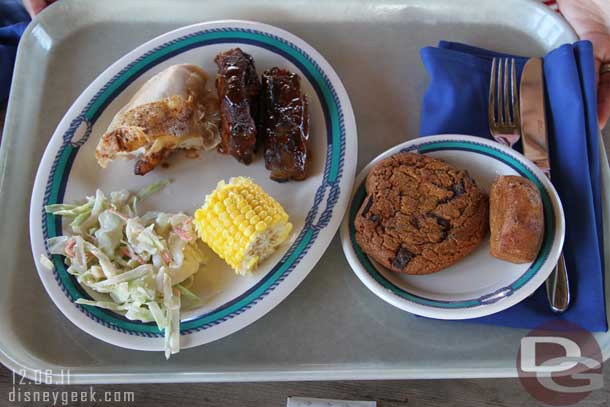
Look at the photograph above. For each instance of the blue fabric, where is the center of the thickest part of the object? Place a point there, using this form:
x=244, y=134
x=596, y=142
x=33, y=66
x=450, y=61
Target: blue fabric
x=13, y=21
x=456, y=102
x=9, y=38
x=12, y=12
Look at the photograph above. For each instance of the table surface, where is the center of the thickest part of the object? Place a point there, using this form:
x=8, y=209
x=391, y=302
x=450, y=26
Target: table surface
x=438, y=393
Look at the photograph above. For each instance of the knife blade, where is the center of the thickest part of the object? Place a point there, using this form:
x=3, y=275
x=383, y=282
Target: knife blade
x=533, y=122
x=536, y=148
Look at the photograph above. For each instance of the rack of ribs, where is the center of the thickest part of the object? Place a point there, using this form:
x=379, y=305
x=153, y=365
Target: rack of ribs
x=238, y=89
x=284, y=125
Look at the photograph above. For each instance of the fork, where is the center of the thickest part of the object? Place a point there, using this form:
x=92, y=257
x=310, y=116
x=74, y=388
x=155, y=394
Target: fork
x=503, y=113
x=505, y=127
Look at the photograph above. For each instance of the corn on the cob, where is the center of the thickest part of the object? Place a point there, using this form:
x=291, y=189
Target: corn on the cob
x=241, y=223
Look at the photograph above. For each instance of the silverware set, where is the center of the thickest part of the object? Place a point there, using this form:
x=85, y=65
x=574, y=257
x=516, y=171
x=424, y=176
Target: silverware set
x=516, y=112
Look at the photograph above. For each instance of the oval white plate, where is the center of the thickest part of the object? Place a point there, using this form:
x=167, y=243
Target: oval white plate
x=479, y=284
x=68, y=171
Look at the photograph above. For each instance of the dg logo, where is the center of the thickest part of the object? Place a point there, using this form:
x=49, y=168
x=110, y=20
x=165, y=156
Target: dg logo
x=560, y=363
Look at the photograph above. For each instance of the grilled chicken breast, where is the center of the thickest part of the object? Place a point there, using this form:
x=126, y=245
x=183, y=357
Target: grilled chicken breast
x=172, y=110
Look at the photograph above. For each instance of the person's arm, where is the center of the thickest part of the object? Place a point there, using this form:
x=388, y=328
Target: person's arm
x=591, y=21
x=36, y=6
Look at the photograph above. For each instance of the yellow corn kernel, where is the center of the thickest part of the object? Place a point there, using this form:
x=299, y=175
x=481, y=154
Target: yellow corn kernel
x=242, y=224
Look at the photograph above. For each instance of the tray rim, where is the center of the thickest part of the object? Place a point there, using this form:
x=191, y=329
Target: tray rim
x=299, y=373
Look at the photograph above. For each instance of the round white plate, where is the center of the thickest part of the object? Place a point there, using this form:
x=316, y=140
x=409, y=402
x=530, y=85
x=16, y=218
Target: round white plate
x=68, y=172
x=479, y=284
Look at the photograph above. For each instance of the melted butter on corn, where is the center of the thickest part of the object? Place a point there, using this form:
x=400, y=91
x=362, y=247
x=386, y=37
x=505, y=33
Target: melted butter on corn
x=242, y=224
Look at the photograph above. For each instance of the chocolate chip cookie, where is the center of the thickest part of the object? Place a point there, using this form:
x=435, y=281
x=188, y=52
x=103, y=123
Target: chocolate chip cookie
x=420, y=214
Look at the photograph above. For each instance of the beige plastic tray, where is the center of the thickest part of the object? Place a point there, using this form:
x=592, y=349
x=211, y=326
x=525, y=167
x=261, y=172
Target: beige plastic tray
x=331, y=326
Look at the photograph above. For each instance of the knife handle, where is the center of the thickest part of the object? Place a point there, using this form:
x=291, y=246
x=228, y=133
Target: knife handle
x=558, y=287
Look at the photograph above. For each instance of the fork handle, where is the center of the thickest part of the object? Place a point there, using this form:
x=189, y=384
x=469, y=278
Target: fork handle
x=558, y=287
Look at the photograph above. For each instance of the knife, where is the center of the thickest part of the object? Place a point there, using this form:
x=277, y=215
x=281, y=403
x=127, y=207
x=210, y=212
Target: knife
x=535, y=148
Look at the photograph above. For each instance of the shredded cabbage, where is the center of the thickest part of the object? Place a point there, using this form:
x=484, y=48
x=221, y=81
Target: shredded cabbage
x=141, y=264
x=46, y=262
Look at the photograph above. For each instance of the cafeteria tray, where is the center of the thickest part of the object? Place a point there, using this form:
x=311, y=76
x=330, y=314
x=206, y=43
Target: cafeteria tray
x=331, y=326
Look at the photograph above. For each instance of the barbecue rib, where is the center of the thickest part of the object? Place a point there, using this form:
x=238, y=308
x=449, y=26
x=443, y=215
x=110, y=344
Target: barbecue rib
x=284, y=125
x=238, y=89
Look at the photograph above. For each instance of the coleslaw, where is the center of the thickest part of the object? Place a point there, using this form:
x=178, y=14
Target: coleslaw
x=141, y=265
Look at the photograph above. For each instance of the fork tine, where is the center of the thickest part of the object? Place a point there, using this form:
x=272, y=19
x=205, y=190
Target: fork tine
x=507, y=106
x=491, y=116
x=499, y=109
x=514, y=94
x=503, y=112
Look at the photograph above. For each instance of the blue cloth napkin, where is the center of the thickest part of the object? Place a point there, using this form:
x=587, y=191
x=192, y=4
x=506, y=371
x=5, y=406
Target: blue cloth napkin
x=456, y=102
x=9, y=38
x=13, y=21
x=12, y=12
